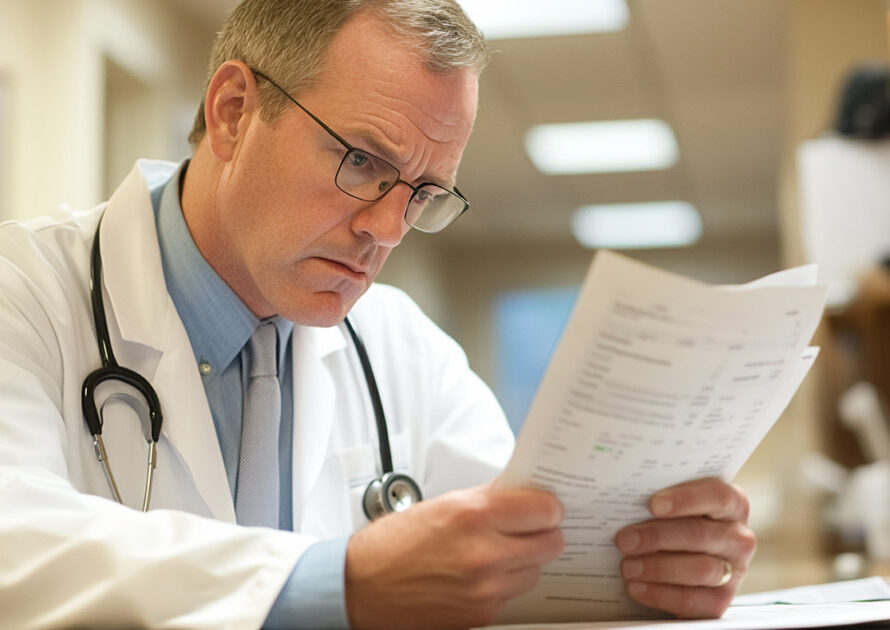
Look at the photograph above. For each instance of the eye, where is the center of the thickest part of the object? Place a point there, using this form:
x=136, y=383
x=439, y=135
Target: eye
x=358, y=159
x=423, y=195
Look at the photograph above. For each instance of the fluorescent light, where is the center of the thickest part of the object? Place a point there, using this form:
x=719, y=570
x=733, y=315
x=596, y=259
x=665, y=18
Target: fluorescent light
x=602, y=147
x=501, y=19
x=637, y=225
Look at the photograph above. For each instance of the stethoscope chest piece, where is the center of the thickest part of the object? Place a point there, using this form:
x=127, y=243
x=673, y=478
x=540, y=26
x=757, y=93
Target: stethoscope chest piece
x=393, y=492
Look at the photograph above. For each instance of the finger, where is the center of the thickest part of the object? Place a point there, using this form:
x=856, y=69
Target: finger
x=524, y=510
x=520, y=581
x=493, y=592
x=703, y=497
x=681, y=569
x=733, y=541
x=534, y=550
x=691, y=602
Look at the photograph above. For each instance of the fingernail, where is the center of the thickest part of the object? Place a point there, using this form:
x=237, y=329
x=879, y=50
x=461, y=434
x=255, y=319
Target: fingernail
x=661, y=505
x=637, y=589
x=628, y=540
x=632, y=568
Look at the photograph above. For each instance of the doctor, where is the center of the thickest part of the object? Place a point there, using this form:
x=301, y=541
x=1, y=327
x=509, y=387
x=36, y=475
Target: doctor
x=270, y=226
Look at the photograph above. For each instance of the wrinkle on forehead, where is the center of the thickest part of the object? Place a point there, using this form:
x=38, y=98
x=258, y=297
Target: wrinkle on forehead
x=416, y=139
x=374, y=86
x=411, y=156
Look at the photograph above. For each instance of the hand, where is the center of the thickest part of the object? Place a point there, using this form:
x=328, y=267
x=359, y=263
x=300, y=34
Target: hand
x=452, y=561
x=677, y=561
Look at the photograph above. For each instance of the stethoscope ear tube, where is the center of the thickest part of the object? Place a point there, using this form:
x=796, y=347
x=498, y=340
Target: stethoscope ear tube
x=133, y=379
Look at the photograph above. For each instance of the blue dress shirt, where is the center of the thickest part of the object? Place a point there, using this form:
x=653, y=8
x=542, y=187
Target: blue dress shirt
x=219, y=325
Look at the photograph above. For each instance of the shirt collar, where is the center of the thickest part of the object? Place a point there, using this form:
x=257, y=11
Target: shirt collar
x=218, y=323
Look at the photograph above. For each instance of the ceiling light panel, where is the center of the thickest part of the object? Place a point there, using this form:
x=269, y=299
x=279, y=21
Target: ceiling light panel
x=637, y=225
x=503, y=19
x=602, y=147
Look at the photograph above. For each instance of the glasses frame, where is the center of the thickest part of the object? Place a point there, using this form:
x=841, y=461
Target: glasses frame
x=351, y=149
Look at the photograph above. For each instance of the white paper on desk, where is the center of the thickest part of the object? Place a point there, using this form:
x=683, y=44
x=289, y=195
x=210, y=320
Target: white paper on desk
x=657, y=379
x=865, y=589
x=841, y=614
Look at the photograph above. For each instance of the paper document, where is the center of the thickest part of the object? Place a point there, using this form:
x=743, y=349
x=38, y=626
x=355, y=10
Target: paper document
x=863, y=590
x=657, y=379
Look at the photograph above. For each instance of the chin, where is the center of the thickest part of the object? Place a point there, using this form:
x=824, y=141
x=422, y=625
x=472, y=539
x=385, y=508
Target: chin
x=322, y=310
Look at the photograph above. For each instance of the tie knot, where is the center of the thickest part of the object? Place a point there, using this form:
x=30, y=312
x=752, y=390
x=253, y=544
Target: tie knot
x=262, y=350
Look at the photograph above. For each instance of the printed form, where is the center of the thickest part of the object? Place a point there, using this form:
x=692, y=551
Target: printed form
x=658, y=379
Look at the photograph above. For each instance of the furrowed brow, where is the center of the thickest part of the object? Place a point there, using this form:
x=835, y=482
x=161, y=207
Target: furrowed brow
x=381, y=151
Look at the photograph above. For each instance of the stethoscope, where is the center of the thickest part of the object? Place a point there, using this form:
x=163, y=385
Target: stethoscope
x=390, y=492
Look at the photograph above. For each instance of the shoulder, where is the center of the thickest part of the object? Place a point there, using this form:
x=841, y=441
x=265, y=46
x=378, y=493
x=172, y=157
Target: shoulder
x=48, y=240
x=44, y=270
x=383, y=300
x=387, y=310
x=44, y=274
x=391, y=323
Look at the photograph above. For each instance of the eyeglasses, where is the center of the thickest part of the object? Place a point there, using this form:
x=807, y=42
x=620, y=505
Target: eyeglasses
x=365, y=176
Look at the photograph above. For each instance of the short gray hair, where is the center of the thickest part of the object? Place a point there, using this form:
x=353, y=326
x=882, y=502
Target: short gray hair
x=289, y=39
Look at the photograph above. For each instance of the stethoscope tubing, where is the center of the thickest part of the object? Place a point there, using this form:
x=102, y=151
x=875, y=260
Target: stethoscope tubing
x=376, y=402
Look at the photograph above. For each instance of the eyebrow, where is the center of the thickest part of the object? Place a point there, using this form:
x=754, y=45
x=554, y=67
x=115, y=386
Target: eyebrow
x=381, y=151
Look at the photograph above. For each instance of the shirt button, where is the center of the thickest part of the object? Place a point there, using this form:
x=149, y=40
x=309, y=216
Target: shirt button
x=205, y=368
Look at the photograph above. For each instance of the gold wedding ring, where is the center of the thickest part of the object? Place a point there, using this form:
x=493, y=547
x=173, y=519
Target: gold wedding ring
x=727, y=574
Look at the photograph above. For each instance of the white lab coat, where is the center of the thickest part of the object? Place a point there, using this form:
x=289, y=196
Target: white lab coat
x=69, y=556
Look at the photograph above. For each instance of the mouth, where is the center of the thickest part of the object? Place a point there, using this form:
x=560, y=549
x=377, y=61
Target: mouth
x=352, y=269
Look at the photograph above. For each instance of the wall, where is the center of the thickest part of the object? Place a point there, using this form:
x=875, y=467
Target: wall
x=826, y=39
x=55, y=56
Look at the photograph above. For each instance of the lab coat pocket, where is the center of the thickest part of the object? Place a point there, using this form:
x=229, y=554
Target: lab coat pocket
x=334, y=506
x=360, y=465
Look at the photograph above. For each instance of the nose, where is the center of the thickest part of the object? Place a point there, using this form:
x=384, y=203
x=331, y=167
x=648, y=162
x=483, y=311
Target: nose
x=384, y=220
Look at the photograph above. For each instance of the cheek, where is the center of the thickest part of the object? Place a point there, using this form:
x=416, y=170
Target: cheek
x=284, y=214
x=382, y=255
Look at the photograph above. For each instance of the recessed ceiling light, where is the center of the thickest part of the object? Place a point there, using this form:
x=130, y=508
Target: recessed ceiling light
x=602, y=147
x=502, y=19
x=637, y=225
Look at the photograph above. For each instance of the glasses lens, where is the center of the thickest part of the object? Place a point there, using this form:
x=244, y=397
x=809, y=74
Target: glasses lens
x=365, y=176
x=432, y=208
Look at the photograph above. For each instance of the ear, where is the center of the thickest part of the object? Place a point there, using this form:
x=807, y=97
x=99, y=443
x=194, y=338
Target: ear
x=229, y=106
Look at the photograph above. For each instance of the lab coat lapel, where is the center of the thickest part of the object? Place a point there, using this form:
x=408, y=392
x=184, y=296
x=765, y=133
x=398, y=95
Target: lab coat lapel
x=145, y=316
x=314, y=397
x=190, y=426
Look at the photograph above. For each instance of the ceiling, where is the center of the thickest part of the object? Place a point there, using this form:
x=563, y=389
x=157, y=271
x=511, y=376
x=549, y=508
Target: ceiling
x=713, y=69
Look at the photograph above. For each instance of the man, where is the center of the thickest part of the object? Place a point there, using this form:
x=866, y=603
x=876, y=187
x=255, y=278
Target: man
x=327, y=128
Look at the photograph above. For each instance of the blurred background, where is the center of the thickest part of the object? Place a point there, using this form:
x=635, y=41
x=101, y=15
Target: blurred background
x=713, y=119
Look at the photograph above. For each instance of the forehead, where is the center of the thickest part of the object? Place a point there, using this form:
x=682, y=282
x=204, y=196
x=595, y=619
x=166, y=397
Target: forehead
x=373, y=83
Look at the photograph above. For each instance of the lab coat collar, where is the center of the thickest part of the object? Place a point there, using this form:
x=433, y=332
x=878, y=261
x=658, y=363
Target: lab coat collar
x=327, y=340
x=135, y=282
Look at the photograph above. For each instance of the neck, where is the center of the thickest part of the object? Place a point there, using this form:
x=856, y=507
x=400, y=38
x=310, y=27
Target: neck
x=203, y=208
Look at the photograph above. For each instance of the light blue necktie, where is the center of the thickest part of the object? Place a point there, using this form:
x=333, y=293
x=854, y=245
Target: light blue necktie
x=257, y=496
